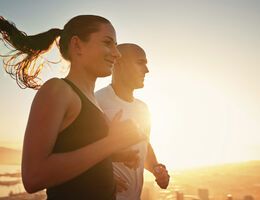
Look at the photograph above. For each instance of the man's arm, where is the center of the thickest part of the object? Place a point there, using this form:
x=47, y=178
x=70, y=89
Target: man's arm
x=150, y=160
x=158, y=170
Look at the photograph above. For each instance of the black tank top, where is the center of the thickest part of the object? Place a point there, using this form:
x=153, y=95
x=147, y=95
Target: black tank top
x=96, y=183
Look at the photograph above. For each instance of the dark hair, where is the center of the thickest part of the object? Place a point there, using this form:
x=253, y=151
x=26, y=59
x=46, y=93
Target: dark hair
x=21, y=62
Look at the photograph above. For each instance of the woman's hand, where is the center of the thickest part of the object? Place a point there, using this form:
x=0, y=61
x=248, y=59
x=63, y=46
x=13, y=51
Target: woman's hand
x=124, y=133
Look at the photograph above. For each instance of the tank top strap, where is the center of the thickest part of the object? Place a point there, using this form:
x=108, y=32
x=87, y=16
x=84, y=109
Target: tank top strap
x=75, y=89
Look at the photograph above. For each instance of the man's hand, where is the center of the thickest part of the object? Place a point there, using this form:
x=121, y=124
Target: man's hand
x=121, y=184
x=130, y=158
x=162, y=176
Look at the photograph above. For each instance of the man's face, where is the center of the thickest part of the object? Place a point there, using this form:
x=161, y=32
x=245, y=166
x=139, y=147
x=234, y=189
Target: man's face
x=134, y=68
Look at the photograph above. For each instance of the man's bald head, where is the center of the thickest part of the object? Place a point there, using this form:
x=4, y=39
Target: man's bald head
x=130, y=69
x=129, y=50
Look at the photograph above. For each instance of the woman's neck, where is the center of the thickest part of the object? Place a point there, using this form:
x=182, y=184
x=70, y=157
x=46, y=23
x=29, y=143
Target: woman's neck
x=83, y=80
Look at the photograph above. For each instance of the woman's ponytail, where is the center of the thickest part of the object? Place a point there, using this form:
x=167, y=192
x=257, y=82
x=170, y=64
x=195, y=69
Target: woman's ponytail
x=21, y=63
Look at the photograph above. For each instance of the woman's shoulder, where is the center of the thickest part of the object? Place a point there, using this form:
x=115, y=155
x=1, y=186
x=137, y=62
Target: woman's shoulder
x=55, y=85
x=54, y=88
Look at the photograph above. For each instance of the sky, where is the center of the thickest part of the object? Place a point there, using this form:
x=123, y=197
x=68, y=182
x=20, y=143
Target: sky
x=203, y=89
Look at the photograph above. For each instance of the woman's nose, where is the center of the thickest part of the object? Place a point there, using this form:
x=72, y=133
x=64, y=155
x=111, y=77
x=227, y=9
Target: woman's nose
x=116, y=53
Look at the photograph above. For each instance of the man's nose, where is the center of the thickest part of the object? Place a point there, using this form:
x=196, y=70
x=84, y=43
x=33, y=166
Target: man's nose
x=146, y=70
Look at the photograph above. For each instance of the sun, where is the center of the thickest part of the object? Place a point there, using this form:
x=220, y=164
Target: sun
x=192, y=122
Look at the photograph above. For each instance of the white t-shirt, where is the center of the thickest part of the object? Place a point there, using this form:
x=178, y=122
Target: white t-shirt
x=139, y=113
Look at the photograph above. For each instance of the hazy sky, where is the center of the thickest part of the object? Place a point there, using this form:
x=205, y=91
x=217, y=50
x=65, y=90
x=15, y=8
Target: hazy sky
x=203, y=88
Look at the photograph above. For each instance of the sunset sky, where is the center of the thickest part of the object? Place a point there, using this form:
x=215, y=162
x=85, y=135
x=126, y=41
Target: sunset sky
x=203, y=89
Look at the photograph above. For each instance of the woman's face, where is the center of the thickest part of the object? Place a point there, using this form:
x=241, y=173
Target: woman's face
x=99, y=52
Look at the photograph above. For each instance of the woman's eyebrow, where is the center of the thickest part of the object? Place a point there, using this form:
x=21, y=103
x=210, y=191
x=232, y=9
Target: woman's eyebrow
x=110, y=38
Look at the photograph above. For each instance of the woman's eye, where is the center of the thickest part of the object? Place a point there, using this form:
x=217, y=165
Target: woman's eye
x=108, y=43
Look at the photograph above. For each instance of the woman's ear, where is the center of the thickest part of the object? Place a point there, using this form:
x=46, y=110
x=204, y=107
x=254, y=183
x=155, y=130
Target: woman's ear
x=75, y=44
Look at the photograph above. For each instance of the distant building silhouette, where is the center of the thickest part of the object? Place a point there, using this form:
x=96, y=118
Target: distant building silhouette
x=248, y=197
x=203, y=194
x=179, y=195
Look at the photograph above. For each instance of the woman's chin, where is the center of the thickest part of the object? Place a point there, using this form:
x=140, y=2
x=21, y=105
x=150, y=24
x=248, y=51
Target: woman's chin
x=105, y=73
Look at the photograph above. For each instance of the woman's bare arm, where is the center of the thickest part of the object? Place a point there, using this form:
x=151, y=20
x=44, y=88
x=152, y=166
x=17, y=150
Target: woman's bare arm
x=40, y=167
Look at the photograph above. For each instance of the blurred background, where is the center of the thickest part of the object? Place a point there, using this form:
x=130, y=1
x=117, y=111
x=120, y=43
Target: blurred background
x=203, y=89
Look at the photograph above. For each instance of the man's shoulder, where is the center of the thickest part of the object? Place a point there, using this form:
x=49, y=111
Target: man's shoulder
x=105, y=97
x=141, y=103
x=105, y=91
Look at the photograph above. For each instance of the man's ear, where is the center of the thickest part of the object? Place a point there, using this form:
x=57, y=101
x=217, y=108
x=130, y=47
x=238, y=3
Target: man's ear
x=120, y=62
x=119, y=65
x=75, y=44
